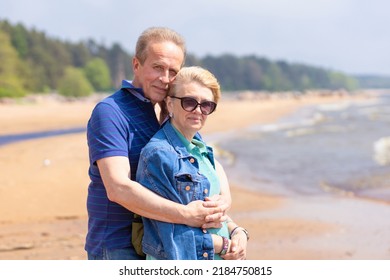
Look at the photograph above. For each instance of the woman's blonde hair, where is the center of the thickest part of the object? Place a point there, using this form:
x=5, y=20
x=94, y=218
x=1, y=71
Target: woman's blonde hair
x=199, y=75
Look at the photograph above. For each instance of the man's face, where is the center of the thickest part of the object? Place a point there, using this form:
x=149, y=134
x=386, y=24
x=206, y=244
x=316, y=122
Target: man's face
x=163, y=61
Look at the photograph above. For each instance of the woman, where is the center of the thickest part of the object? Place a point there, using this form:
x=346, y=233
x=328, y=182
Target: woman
x=178, y=165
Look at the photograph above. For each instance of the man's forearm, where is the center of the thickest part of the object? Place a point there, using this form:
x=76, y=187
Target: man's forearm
x=146, y=203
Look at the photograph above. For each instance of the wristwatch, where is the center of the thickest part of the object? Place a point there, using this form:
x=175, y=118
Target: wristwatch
x=246, y=232
x=235, y=230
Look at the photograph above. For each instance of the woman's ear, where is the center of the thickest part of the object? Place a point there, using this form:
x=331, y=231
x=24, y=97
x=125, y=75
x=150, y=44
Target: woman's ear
x=169, y=102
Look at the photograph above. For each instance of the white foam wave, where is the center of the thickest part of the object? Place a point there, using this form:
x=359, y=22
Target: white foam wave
x=382, y=151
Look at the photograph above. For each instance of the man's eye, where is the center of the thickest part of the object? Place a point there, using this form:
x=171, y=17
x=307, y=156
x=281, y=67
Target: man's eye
x=172, y=73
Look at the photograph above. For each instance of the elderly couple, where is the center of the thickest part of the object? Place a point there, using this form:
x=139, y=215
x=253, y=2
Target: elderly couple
x=158, y=166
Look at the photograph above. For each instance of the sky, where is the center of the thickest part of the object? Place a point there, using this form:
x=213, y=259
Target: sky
x=350, y=36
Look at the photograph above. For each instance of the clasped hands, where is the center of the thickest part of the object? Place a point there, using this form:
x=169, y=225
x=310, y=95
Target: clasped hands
x=211, y=213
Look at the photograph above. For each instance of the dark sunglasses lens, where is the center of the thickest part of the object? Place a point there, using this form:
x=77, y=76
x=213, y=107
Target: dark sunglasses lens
x=189, y=104
x=207, y=107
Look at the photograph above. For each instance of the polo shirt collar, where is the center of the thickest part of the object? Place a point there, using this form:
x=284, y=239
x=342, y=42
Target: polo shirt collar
x=194, y=144
x=137, y=92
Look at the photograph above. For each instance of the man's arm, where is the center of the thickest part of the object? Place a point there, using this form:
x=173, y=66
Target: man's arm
x=115, y=173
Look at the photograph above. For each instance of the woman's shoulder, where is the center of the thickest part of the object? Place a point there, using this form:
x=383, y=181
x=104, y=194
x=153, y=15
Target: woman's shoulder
x=158, y=145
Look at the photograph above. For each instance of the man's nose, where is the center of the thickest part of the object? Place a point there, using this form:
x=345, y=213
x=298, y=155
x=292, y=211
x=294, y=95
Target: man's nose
x=164, y=78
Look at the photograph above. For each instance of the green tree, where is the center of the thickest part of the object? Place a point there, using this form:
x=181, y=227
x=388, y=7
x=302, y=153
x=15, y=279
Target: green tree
x=120, y=64
x=19, y=40
x=74, y=83
x=339, y=80
x=98, y=74
x=80, y=54
x=41, y=61
x=11, y=85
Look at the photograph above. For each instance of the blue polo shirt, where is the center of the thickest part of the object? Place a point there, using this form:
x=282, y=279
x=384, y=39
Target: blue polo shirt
x=120, y=125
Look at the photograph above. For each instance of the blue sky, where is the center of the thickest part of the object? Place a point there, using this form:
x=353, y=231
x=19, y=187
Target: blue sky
x=351, y=36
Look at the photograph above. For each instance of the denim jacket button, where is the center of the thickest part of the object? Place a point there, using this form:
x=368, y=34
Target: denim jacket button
x=188, y=188
x=205, y=255
x=192, y=160
x=204, y=231
x=206, y=191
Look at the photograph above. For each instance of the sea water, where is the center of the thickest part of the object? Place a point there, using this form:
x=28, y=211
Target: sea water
x=11, y=138
x=335, y=148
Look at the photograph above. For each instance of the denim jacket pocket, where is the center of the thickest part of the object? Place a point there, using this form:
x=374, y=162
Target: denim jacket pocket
x=188, y=187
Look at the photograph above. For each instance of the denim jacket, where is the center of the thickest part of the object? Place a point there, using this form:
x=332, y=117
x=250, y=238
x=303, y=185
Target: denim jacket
x=166, y=168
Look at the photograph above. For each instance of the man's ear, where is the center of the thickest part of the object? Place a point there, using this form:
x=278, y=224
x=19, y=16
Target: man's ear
x=136, y=64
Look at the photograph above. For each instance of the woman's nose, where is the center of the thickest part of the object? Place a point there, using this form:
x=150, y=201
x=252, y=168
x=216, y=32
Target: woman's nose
x=198, y=109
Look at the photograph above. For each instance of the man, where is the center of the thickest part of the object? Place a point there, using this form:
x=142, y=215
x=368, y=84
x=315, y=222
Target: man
x=119, y=127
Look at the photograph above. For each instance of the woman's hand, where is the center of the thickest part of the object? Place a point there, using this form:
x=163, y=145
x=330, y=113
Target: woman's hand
x=237, y=247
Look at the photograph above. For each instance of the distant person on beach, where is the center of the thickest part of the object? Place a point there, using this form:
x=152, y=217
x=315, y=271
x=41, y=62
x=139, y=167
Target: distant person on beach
x=178, y=165
x=119, y=127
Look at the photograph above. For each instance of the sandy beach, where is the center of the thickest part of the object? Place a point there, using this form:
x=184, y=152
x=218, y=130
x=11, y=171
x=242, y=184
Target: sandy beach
x=43, y=187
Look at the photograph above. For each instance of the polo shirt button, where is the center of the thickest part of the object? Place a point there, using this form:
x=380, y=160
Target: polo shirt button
x=205, y=255
x=192, y=160
x=188, y=188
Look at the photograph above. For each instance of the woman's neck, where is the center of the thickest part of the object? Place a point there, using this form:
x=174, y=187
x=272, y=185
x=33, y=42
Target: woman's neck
x=188, y=135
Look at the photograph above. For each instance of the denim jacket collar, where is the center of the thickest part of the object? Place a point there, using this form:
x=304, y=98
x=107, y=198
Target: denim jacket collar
x=179, y=146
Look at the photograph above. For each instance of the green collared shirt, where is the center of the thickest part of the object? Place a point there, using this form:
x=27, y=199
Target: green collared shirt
x=198, y=150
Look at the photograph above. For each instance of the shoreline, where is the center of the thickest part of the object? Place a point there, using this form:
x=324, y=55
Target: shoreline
x=43, y=208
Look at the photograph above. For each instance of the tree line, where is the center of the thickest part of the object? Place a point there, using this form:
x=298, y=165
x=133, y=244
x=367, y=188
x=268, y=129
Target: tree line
x=32, y=62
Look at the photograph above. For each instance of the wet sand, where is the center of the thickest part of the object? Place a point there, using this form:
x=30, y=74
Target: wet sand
x=43, y=187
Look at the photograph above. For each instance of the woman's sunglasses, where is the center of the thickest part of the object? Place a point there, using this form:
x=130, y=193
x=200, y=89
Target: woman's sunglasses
x=189, y=104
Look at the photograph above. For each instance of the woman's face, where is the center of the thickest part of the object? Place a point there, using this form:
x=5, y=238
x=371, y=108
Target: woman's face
x=188, y=123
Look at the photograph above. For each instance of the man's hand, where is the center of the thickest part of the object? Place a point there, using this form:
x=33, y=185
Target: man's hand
x=215, y=220
x=206, y=214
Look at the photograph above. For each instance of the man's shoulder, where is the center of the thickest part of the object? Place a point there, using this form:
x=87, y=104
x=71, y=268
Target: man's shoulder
x=115, y=97
x=119, y=101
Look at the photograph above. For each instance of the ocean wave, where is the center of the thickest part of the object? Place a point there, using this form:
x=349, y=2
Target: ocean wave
x=382, y=151
x=334, y=106
x=289, y=125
